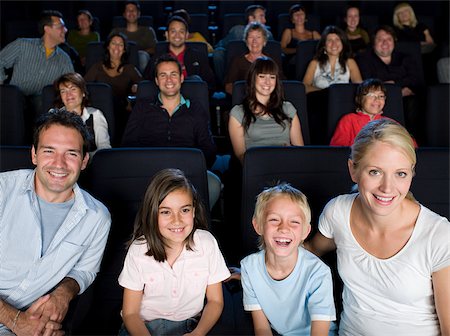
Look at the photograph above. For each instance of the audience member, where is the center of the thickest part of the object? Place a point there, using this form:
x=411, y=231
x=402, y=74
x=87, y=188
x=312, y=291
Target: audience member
x=72, y=94
x=192, y=36
x=122, y=76
x=369, y=102
x=255, y=37
x=264, y=118
x=357, y=36
x=332, y=64
x=193, y=62
x=283, y=279
x=52, y=233
x=37, y=62
x=253, y=13
x=80, y=37
x=391, y=66
x=171, y=242
x=392, y=252
x=144, y=37
x=291, y=36
x=172, y=120
x=408, y=28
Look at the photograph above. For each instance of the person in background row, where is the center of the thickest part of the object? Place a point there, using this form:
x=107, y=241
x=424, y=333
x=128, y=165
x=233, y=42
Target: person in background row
x=194, y=63
x=117, y=72
x=52, y=233
x=253, y=13
x=369, y=102
x=332, y=64
x=392, y=252
x=407, y=28
x=37, y=62
x=383, y=61
x=255, y=37
x=72, y=94
x=192, y=36
x=357, y=36
x=80, y=37
x=264, y=118
x=291, y=36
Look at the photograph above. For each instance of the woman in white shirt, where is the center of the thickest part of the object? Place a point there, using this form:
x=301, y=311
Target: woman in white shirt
x=392, y=252
x=73, y=96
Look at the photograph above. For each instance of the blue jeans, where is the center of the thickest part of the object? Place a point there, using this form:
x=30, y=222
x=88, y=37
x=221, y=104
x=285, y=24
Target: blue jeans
x=166, y=327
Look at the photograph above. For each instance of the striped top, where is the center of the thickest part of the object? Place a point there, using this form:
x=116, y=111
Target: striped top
x=32, y=70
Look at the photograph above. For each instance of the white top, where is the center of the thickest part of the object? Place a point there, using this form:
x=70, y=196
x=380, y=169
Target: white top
x=100, y=127
x=391, y=296
x=323, y=77
x=174, y=293
x=292, y=303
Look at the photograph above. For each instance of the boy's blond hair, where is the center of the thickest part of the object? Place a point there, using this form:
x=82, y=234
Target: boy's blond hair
x=281, y=189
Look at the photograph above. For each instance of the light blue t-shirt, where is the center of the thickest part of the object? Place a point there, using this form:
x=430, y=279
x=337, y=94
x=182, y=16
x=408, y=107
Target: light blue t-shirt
x=292, y=303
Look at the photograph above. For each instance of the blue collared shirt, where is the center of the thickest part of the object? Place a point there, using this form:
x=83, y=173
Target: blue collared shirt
x=75, y=251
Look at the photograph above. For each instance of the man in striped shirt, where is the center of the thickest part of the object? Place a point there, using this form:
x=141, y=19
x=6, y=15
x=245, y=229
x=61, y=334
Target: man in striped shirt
x=37, y=62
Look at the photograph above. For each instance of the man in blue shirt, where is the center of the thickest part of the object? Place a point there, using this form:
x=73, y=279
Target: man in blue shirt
x=52, y=233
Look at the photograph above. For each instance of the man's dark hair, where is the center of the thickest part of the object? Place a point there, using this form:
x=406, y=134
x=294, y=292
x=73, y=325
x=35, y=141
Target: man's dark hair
x=166, y=58
x=250, y=10
x=388, y=29
x=179, y=19
x=46, y=19
x=136, y=3
x=63, y=118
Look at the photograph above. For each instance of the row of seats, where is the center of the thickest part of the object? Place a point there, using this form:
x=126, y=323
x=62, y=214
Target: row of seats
x=119, y=177
x=341, y=101
x=214, y=20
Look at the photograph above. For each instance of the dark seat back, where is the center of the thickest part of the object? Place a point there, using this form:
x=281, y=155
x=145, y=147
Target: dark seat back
x=15, y=157
x=437, y=116
x=12, y=116
x=304, y=54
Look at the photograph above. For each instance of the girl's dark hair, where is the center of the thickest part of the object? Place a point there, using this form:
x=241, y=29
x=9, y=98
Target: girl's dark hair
x=263, y=65
x=370, y=84
x=146, y=229
x=107, y=56
x=296, y=8
x=321, y=55
x=75, y=79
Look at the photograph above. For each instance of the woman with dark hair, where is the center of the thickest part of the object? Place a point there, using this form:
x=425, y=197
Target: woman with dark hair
x=72, y=94
x=332, y=63
x=264, y=118
x=291, y=36
x=117, y=72
x=80, y=37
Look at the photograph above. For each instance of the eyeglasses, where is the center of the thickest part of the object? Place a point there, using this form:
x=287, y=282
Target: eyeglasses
x=58, y=25
x=375, y=96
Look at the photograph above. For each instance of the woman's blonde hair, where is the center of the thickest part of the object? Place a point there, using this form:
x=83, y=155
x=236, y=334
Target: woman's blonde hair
x=398, y=8
x=281, y=189
x=387, y=131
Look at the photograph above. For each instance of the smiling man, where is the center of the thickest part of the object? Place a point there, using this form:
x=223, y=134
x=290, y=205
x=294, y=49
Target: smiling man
x=37, y=62
x=52, y=233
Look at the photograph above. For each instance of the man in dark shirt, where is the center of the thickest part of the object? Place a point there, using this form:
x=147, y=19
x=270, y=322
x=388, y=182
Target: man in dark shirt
x=172, y=120
x=392, y=66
